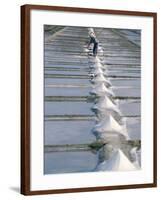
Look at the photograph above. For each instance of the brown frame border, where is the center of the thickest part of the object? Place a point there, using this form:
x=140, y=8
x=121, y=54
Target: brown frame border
x=25, y=98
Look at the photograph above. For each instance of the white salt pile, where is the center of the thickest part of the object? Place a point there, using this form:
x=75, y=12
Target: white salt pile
x=97, y=71
x=98, y=65
x=105, y=104
x=110, y=126
x=95, y=65
x=100, y=89
x=100, y=78
x=117, y=162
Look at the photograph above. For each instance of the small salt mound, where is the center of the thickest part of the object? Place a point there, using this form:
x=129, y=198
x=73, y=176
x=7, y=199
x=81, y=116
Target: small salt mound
x=100, y=49
x=105, y=103
x=95, y=66
x=100, y=78
x=86, y=50
x=97, y=60
x=101, y=89
x=111, y=126
x=100, y=52
x=99, y=64
x=117, y=162
x=97, y=71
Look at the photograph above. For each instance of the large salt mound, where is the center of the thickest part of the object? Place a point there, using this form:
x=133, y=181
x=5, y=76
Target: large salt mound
x=117, y=162
x=110, y=125
x=105, y=103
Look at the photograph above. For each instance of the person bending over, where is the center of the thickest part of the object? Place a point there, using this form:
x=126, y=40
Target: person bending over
x=94, y=41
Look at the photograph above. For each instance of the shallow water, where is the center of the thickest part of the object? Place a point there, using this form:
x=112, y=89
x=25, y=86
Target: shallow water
x=133, y=82
x=66, y=81
x=66, y=91
x=80, y=72
x=68, y=108
x=130, y=107
x=68, y=132
x=70, y=162
x=134, y=128
x=127, y=92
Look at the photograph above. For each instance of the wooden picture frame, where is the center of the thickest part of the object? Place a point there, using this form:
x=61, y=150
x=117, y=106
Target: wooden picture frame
x=26, y=85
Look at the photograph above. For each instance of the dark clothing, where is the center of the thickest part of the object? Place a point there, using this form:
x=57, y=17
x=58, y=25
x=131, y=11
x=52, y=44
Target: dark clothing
x=92, y=40
x=95, y=42
x=95, y=48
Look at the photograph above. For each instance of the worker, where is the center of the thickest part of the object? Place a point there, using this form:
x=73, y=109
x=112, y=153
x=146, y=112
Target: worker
x=93, y=40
